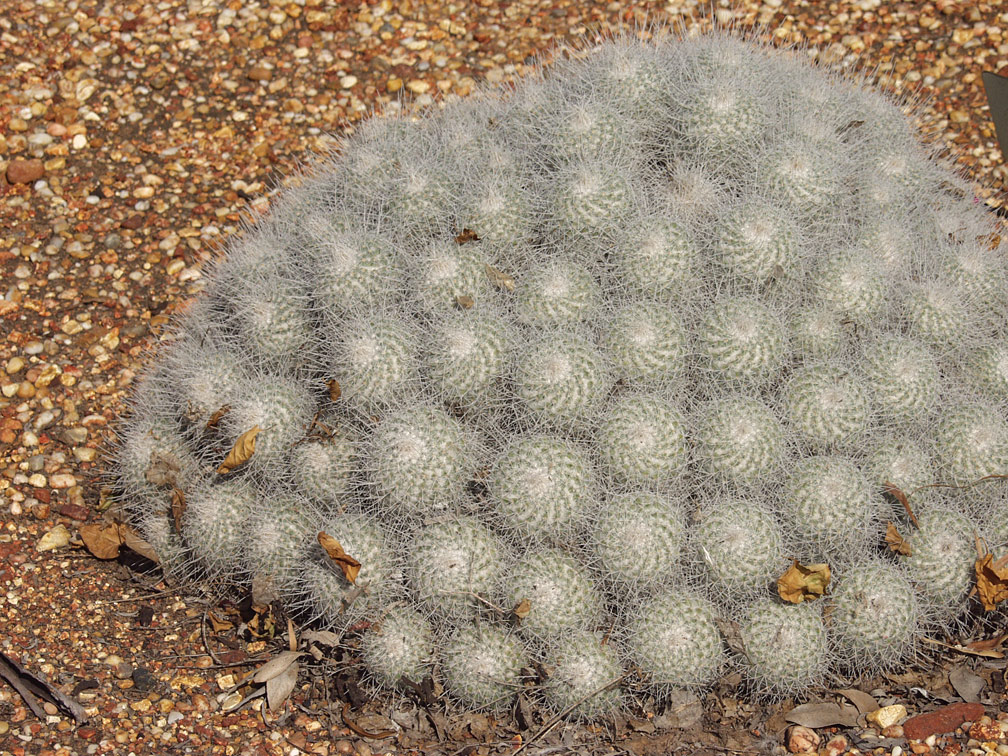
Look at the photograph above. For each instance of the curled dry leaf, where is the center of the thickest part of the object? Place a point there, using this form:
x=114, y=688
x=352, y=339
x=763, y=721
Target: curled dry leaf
x=901, y=497
x=499, y=278
x=241, y=452
x=102, y=539
x=347, y=564
x=467, y=235
x=895, y=541
x=335, y=392
x=465, y=301
x=824, y=714
x=178, y=505
x=162, y=469
x=522, y=609
x=803, y=582
x=216, y=416
x=992, y=580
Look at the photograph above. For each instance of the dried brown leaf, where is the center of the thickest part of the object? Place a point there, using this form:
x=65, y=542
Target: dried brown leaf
x=218, y=624
x=826, y=714
x=499, y=278
x=803, y=582
x=241, y=452
x=276, y=666
x=465, y=301
x=102, y=539
x=865, y=702
x=335, y=392
x=178, y=506
x=991, y=581
x=347, y=564
x=131, y=540
x=467, y=235
x=162, y=469
x=522, y=609
x=216, y=416
x=901, y=497
x=896, y=542
x=280, y=687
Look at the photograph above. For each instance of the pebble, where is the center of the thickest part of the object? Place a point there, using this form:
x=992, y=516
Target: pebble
x=56, y=538
x=62, y=480
x=942, y=720
x=25, y=171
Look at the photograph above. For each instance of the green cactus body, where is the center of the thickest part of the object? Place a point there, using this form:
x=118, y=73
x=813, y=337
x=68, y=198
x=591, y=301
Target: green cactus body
x=214, y=524
x=374, y=360
x=452, y=563
x=740, y=440
x=831, y=503
x=556, y=292
x=759, y=243
x=674, y=639
x=828, y=406
x=642, y=441
x=482, y=666
x=971, y=442
x=560, y=594
x=324, y=468
x=280, y=407
x=801, y=173
x=937, y=314
x=585, y=672
x=280, y=537
x=743, y=340
x=902, y=377
x=498, y=209
x=786, y=647
x=852, y=282
x=206, y=377
x=542, y=486
x=355, y=269
x=874, y=615
x=445, y=273
x=646, y=342
x=466, y=356
x=420, y=459
x=589, y=198
x=817, y=332
x=988, y=368
x=561, y=379
x=372, y=546
x=901, y=463
x=942, y=555
x=741, y=546
x=657, y=258
x=399, y=645
x=636, y=540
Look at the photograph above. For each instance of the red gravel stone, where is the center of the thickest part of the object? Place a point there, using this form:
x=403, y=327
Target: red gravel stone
x=25, y=171
x=942, y=720
x=74, y=511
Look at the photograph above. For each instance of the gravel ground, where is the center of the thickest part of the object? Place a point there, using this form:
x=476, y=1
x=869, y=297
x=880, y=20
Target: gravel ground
x=133, y=139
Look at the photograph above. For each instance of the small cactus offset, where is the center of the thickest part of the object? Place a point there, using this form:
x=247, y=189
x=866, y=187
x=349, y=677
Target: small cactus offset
x=551, y=385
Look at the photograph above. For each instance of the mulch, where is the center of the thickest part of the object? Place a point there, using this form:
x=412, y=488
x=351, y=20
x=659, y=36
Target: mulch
x=134, y=138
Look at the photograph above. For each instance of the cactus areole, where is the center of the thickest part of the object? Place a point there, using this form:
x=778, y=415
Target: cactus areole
x=569, y=372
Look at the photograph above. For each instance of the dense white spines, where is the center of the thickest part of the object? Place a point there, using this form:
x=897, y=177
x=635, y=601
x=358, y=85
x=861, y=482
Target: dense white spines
x=786, y=647
x=677, y=312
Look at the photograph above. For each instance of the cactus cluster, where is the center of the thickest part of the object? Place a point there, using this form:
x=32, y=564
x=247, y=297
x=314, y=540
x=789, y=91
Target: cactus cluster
x=572, y=371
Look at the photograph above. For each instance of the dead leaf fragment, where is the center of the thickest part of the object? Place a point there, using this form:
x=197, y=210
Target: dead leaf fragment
x=102, y=540
x=131, y=540
x=178, y=505
x=241, y=452
x=162, y=469
x=280, y=687
x=864, y=702
x=825, y=714
x=216, y=416
x=465, y=301
x=499, y=278
x=895, y=541
x=347, y=564
x=992, y=580
x=967, y=684
x=522, y=609
x=335, y=392
x=467, y=235
x=803, y=582
x=901, y=497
